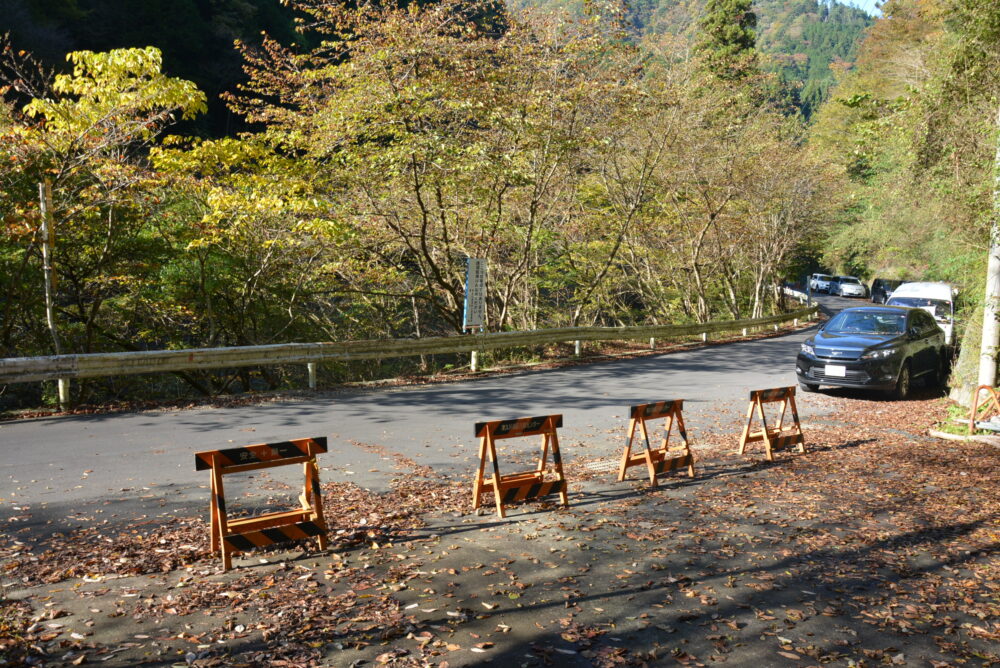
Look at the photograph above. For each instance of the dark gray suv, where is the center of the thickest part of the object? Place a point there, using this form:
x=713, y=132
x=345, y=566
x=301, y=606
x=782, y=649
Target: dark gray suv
x=874, y=347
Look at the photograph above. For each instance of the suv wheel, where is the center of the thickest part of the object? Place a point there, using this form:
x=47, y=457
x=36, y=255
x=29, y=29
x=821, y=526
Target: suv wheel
x=942, y=371
x=903, y=382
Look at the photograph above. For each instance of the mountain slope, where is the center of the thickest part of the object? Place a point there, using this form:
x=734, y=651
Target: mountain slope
x=805, y=39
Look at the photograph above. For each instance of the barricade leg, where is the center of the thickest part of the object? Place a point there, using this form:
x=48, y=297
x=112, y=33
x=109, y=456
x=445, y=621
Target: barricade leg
x=684, y=441
x=540, y=466
x=975, y=410
x=497, y=495
x=477, y=484
x=214, y=521
x=220, y=526
x=623, y=466
x=768, y=446
x=557, y=462
x=314, y=500
x=746, y=429
x=798, y=425
x=650, y=465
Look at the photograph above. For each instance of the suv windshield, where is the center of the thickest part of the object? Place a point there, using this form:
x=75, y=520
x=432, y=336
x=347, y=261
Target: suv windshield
x=821, y=277
x=848, y=279
x=872, y=322
x=939, y=308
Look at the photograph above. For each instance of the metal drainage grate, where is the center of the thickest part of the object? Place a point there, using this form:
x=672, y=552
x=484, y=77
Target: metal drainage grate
x=602, y=465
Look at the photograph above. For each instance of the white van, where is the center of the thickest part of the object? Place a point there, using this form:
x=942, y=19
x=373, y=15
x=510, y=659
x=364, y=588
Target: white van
x=820, y=283
x=935, y=298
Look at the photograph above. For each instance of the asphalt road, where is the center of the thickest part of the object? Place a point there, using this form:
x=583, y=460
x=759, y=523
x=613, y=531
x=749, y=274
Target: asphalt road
x=141, y=464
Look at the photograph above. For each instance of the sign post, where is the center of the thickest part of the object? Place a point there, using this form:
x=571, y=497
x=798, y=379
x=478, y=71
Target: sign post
x=474, y=314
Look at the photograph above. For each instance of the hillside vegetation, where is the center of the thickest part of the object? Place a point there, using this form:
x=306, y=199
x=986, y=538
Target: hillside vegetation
x=913, y=129
x=605, y=179
x=806, y=42
x=604, y=183
x=804, y=37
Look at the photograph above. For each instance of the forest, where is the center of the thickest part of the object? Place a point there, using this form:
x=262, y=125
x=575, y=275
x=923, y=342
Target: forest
x=913, y=132
x=606, y=180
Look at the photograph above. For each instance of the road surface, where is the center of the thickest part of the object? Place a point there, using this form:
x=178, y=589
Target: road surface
x=129, y=465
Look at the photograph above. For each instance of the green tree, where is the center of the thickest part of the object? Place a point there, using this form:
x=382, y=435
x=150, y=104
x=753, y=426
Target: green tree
x=727, y=41
x=86, y=132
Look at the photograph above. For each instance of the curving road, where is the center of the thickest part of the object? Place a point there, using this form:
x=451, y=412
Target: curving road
x=127, y=465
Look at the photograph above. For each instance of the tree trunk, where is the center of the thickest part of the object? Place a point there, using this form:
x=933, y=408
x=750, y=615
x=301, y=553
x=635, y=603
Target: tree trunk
x=48, y=237
x=991, y=326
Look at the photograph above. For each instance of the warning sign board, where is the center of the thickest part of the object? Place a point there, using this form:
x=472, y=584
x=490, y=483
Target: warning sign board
x=475, y=294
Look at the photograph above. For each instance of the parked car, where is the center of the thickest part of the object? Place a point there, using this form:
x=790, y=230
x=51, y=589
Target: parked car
x=874, y=347
x=935, y=298
x=820, y=282
x=847, y=286
x=882, y=288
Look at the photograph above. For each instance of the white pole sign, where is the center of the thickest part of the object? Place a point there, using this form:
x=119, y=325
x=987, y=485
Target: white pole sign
x=475, y=294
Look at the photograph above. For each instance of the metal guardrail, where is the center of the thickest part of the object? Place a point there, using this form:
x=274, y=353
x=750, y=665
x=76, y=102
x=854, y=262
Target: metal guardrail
x=94, y=365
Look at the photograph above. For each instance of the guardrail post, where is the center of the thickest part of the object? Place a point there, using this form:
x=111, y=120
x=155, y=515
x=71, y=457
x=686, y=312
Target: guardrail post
x=576, y=348
x=776, y=327
x=474, y=362
x=652, y=343
x=63, y=393
x=795, y=322
x=311, y=366
x=744, y=331
x=704, y=336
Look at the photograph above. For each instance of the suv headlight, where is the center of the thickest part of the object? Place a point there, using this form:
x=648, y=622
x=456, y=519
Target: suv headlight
x=808, y=349
x=879, y=354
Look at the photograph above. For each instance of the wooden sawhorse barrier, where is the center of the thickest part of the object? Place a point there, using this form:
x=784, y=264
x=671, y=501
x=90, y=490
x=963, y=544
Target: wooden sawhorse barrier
x=777, y=437
x=519, y=486
x=992, y=405
x=243, y=535
x=659, y=460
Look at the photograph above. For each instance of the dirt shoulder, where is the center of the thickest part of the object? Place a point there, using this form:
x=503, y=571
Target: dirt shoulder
x=879, y=546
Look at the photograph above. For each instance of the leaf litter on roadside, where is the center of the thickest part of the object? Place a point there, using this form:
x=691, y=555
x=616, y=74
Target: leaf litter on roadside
x=877, y=527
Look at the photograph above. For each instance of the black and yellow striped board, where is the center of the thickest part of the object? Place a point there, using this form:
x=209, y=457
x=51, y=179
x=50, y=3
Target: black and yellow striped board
x=249, y=540
x=535, y=490
x=263, y=453
x=661, y=459
x=531, y=426
x=246, y=534
x=524, y=486
x=780, y=436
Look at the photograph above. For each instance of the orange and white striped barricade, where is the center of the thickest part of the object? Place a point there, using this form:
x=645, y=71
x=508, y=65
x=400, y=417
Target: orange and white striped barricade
x=778, y=437
x=513, y=487
x=992, y=406
x=660, y=460
x=243, y=535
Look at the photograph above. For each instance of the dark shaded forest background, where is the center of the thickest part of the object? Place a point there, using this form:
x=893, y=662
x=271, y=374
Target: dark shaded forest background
x=808, y=39
x=195, y=36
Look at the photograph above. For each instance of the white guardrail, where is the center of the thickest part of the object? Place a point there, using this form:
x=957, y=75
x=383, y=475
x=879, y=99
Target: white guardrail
x=94, y=365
